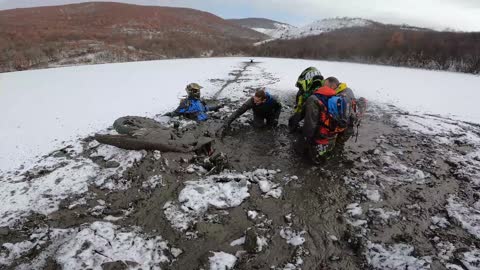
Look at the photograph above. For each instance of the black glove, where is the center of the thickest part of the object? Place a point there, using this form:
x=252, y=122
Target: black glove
x=172, y=114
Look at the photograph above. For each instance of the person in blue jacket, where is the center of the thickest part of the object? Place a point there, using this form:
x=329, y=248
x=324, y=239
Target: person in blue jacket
x=193, y=107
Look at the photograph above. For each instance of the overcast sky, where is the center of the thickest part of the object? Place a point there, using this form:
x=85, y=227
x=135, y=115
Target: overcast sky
x=438, y=14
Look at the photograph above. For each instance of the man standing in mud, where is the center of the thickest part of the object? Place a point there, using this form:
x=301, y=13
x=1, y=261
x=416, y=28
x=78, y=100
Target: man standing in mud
x=266, y=110
x=324, y=127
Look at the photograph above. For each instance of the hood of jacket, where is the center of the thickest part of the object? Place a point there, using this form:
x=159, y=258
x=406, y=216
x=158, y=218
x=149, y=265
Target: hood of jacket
x=325, y=91
x=341, y=88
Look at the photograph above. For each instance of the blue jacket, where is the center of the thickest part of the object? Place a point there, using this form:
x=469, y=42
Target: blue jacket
x=193, y=108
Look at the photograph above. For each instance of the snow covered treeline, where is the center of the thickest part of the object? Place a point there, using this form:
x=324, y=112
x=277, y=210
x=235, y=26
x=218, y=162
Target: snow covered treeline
x=388, y=45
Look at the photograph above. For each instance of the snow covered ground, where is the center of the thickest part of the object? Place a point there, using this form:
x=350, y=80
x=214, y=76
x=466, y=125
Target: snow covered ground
x=278, y=31
x=395, y=171
x=285, y=31
x=68, y=103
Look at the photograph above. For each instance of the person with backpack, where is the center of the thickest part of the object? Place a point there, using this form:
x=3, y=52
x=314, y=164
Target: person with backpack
x=356, y=109
x=329, y=112
x=308, y=81
x=266, y=110
x=193, y=107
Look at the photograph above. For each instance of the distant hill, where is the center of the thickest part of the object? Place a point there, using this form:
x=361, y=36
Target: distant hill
x=256, y=23
x=327, y=25
x=358, y=40
x=271, y=28
x=278, y=30
x=101, y=32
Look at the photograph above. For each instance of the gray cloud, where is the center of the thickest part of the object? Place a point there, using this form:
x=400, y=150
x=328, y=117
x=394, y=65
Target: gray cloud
x=438, y=14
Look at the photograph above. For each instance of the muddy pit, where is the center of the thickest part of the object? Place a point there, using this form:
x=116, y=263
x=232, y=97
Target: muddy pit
x=377, y=203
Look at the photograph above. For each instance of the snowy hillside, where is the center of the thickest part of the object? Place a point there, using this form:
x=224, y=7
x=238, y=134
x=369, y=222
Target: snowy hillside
x=278, y=31
x=403, y=196
x=325, y=25
x=268, y=27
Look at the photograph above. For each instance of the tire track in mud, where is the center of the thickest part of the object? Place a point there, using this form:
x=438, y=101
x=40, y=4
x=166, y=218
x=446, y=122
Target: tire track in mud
x=239, y=76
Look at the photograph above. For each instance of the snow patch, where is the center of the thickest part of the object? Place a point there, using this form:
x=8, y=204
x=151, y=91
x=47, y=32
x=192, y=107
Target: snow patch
x=153, y=182
x=198, y=196
x=238, y=242
x=468, y=217
x=252, y=215
x=293, y=237
x=92, y=245
x=41, y=188
x=471, y=259
x=373, y=195
x=440, y=222
x=270, y=189
x=354, y=209
x=222, y=261
x=384, y=215
x=222, y=191
x=398, y=256
x=262, y=242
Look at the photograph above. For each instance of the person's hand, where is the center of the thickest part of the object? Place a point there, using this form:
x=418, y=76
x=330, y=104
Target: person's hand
x=219, y=106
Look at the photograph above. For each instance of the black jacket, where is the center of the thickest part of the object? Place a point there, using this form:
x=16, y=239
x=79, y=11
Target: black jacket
x=271, y=108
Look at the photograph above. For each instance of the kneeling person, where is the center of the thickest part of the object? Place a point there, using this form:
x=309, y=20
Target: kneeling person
x=266, y=110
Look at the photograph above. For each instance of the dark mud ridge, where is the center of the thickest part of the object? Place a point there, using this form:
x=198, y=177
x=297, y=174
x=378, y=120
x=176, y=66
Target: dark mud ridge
x=404, y=196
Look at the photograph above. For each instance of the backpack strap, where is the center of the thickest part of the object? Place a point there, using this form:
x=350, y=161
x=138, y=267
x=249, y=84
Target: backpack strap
x=323, y=104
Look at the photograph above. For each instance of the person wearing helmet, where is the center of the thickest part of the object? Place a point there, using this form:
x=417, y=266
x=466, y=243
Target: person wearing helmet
x=309, y=80
x=193, y=107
